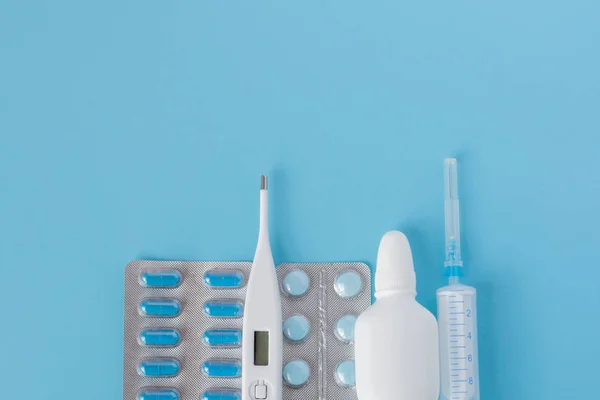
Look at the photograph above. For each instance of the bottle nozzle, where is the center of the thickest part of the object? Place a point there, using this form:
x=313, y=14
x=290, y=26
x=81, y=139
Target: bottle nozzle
x=395, y=270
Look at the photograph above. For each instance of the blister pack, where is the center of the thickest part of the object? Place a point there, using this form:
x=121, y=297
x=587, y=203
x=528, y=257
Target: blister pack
x=183, y=329
x=318, y=362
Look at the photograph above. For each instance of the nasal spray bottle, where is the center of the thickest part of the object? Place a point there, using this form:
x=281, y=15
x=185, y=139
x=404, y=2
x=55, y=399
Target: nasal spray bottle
x=396, y=339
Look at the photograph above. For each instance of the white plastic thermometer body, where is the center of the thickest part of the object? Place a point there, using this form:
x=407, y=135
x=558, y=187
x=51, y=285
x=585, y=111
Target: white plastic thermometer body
x=262, y=335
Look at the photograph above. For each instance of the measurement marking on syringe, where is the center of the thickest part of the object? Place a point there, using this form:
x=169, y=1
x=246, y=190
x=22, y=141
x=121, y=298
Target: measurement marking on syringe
x=456, y=313
x=456, y=301
x=458, y=358
x=458, y=369
x=457, y=335
x=458, y=347
x=456, y=324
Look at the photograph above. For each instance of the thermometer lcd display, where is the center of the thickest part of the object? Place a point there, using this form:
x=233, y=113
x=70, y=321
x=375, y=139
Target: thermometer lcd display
x=261, y=348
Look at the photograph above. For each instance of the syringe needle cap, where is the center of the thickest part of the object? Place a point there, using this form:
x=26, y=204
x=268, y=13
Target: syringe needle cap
x=450, y=181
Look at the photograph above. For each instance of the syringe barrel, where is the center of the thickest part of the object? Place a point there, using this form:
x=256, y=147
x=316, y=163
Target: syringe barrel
x=459, y=359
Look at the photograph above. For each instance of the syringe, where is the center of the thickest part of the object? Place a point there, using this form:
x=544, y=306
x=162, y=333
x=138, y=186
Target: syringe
x=457, y=308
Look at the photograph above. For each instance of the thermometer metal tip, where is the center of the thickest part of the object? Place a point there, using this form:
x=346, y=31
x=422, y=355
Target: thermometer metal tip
x=264, y=182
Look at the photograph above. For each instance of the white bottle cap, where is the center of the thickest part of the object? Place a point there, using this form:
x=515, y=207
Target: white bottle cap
x=395, y=269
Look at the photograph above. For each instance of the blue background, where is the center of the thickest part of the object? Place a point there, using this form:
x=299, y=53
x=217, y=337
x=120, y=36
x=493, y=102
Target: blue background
x=138, y=129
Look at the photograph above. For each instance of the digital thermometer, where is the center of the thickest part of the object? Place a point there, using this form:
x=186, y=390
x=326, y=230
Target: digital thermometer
x=262, y=337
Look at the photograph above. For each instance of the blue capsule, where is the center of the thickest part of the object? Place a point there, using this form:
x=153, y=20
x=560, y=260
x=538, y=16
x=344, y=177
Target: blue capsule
x=222, y=394
x=222, y=338
x=165, y=279
x=224, y=308
x=159, y=337
x=158, y=394
x=224, y=279
x=160, y=307
x=222, y=368
x=159, y=367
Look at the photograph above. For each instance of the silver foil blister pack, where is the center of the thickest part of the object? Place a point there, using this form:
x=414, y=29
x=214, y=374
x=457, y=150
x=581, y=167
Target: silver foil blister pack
x=337, y=292
x=183, y=324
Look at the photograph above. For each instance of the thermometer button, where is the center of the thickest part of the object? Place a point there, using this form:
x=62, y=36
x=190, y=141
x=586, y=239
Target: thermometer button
x=260, y=391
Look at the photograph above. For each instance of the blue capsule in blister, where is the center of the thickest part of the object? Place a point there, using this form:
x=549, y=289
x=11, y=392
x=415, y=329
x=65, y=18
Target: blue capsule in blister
x=224, y=279
x=164, y=279
x=224, y=308
x=159, y=367
x=160, y=307
x=222, y=394
x=158, y=394
x=222, y=368
x=159, y=337
x=222, y=338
